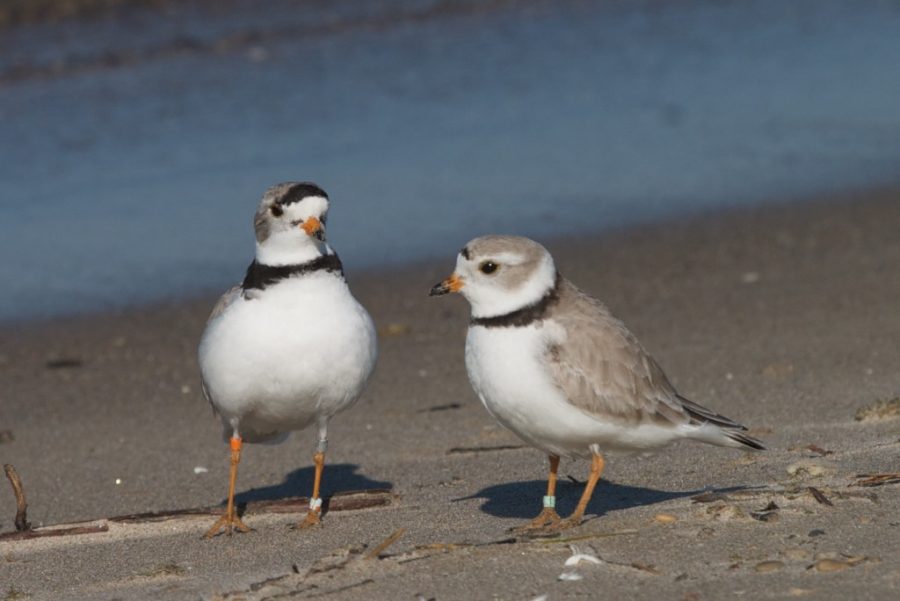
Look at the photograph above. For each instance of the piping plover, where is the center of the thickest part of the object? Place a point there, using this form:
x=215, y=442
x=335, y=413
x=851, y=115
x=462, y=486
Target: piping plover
x=554, y=366
x=290, y=346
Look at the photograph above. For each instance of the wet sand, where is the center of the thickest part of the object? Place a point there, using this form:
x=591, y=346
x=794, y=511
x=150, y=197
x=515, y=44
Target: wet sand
x=784, y=318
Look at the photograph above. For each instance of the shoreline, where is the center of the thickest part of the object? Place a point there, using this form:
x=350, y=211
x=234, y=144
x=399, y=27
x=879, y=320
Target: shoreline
x=781, y=317
x=612, y=234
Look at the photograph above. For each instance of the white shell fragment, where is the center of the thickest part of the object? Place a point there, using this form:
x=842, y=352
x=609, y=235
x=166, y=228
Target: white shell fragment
x=579, y=557
x=570, y=576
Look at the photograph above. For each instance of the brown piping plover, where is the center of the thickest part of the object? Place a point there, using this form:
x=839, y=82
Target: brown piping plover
x=290, y=346
x=552, y=365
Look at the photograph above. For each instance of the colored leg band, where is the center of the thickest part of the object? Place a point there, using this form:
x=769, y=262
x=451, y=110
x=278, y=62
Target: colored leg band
x=315, y=504
x=549, y=501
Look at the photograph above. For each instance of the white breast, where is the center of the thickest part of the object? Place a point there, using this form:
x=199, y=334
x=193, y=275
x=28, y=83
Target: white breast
x=507, y=370
x=295, y=351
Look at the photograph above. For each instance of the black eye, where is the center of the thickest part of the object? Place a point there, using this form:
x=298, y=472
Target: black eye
x=277, y=210
x=488, y=267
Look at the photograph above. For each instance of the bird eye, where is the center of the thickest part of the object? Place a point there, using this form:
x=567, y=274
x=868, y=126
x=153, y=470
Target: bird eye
x=276, y=210
x=488, y=267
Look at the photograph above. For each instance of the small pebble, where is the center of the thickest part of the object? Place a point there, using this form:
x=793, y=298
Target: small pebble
x=118, y=481
x=816, y=532
x=395, y=329
x=830, y=565
x=769, y=566
x=665, y=518
x=778, y=370
x=200, y=470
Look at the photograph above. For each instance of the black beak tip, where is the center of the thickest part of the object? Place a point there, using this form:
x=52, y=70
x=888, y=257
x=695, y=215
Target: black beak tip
x=439, y=289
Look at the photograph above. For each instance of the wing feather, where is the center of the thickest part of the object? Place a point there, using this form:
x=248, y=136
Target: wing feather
x=603, y=370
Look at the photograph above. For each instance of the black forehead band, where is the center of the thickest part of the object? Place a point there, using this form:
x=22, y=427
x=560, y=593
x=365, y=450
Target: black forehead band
x=465, y=253
x=298, y=192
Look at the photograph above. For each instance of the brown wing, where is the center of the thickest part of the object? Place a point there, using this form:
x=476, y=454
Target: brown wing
x=602, y=368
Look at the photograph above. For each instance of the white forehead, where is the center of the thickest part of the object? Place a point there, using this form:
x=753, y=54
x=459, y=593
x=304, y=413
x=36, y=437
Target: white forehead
x=308, y=207
x=506, y=257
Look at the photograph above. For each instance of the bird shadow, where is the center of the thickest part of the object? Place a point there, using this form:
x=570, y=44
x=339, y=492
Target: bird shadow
x=337, y=477
x=523, y=499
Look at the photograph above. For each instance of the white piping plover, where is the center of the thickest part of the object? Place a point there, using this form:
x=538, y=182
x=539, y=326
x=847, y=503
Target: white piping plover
x=552, y=364
x=290, y=346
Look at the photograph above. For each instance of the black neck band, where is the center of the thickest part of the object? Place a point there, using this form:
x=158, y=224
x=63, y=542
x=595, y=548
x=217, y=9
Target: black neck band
x=260, y=276
x=524, y=316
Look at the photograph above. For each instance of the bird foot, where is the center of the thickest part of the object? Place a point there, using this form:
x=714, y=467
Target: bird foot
x=227, y=524
x=313, y=518
x=566, y=524
x=545, y=519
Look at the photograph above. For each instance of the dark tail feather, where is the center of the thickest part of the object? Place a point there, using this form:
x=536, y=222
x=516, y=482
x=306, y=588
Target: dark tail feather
x=745, y=440
x=702, y=414
x=730, y=428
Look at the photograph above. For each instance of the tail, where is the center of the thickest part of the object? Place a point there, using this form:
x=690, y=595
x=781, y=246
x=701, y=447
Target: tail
x=747, y=441
x=718, y=429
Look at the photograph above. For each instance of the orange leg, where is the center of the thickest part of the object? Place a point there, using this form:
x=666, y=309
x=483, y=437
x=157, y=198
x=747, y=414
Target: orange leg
x=573, y=520
x=230, y=520
x=548, y=515
x=313, y=516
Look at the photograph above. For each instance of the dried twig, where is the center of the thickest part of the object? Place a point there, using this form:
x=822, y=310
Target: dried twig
x=346, y=501
x=876, y=479
x=818, y=450
x=570, y=539
x=819, y=496
x=22, y=524
x=374, y=553
x=47, y=532
x=473, y=450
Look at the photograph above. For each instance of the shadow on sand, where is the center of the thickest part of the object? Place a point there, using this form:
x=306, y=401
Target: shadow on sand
x=337, y=477
x=523, y=499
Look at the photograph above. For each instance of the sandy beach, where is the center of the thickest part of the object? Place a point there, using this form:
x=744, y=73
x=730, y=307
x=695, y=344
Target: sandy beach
x=782, y=317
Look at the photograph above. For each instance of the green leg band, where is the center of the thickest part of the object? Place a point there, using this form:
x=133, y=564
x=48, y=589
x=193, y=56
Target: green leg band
x=549, y=502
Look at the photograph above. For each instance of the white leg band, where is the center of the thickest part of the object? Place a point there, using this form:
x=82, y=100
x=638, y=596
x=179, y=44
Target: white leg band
x=315, y=503
x=549, y=502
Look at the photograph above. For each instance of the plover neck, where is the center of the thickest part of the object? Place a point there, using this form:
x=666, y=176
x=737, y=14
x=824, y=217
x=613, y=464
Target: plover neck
x=288, y=249
x=525, y=315
x=260, y=276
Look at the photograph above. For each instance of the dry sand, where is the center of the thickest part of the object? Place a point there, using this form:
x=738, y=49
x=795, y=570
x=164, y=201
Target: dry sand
x=784, y=318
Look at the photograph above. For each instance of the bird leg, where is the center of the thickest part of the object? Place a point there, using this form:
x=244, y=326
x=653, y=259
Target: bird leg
x=573, y=520
x=548, y=515
x=313, y=516
x=230, y=519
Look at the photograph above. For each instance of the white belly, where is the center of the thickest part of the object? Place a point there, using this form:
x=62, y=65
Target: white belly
x=302, y=349
x=506, y=369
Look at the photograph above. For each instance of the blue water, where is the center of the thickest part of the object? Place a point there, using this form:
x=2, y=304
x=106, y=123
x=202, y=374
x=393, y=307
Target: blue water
x=427, y=122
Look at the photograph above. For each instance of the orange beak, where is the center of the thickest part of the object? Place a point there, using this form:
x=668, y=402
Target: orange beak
x=312, y=226
x=452, y=284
